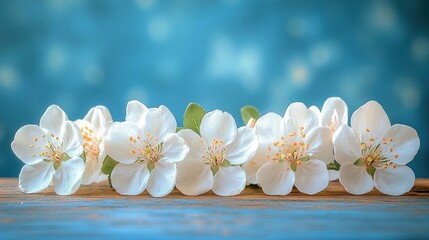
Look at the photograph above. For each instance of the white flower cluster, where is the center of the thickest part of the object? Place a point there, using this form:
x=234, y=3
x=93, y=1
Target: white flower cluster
x=305, y=148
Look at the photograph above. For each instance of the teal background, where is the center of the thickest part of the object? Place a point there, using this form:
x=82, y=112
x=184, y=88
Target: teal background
x=221, y=54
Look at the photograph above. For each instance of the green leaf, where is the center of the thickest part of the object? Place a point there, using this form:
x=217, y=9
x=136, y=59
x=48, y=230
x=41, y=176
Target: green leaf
x=65, y=157
x=108, y=165
x=193, y=115
x=226, y=163
x=370, y=170
x=248, y=112
x=110, y=180
x=304, y=159
x=178, y=129
x=150, y=166
x=293, y=166
x=334, y=166
x=83, y=156
x=57, y=165
x=360, y=162
x=214, y=169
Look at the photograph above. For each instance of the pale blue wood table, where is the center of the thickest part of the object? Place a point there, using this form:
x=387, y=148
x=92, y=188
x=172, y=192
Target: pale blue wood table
x=97, y=212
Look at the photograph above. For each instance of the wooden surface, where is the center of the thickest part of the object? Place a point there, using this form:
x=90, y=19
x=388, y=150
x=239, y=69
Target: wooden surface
x=98, y=212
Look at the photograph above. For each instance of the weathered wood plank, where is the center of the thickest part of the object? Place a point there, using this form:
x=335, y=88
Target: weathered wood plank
x=97, y=211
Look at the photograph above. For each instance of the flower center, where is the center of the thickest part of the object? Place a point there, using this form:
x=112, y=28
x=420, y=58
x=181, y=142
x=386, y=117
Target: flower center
x=91, y=143
x=214, y=154
x=292, y=151
x=372, y=155
x=147, y=150
x=52, y=151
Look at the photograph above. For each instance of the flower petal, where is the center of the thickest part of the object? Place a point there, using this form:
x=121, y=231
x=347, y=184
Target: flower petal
x=355, y=179
x=193, y=177
x=92, y=171
x=298, y=115
x=316, y=110
x=333, y=175
x=36, y=177
x=159, y=122
x=394, y=181
x=130, y=179
x=102, y=155
x=311, y=177
x=162, y=179
x=28, y=141
x=72, y=139
x=335, y=112
x=370, y=117
x=99, y=117
x=275, y=178
x=193, y=141
x=68, y=176
x=219, y=125
x=53, y=119
x=244, y=146
x=404, y=145
x=252, y=166
x=229, y=181
x=174, y=148
x=346, y=145
x=270, y=128
x=320, y=144
x=135, y=111
x=101, y=178
x=101, y=110
x=117, y=142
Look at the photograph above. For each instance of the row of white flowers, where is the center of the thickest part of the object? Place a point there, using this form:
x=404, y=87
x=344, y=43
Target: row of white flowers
x=147, y=151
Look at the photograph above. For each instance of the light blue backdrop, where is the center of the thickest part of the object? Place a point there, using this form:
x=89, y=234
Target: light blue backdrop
x=221, y=54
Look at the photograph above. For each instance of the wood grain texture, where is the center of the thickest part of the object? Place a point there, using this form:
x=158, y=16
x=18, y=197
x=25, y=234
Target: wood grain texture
x=96, y=211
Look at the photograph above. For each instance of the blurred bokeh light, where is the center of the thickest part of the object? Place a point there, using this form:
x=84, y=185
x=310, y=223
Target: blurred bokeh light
x=221, y=54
